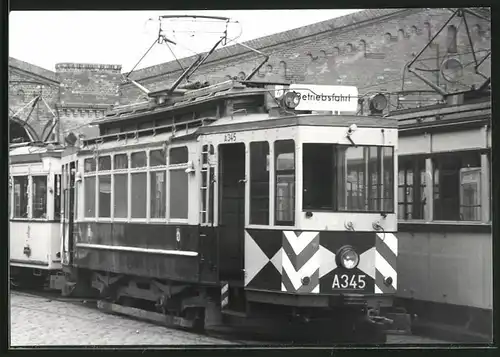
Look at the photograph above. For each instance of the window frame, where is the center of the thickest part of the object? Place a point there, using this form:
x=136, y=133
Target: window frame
x=293, y=172
x=177, y=167
x=336, y=183
x=135, y=170
x=151, y=171
x=28, y=198
x=411, y=163
x=250, y=180
x=437, y=169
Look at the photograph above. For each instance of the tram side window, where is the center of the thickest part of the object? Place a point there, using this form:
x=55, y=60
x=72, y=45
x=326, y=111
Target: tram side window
x=457, y=186
x=89, y=182
x=20, y=196
x=10, y=195
x=39, y=197
x=259, y=183
x=179, y=180
x=412, y=202
x=158, y=187
x=89, y=187
x=139, y=185
x=318, y=176
x=104, y=196
x=57, y=197
x=285, y=182
x=365, y=178
x=120, y=186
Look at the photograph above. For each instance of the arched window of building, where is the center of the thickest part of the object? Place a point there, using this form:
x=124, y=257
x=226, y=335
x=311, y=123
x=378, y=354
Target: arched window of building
x=428, y=30
x=451, y=39
x=349, y=48
x=401, y=34
x=362, y=46
x=387, y=37
x=336, y=51
x=414, y=30
x=20, y=94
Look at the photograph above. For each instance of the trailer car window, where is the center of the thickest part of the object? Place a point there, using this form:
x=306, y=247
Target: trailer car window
x=178, y=155
x=39, y=195
x=259, y=182
x=138, y=159
x=157, y=158
x=457, y=186
x=104, y=163
x=105, y=196
x=89, y=187
x=158, y=195
x=57, y=197
x=178, y=194
x=89, y=165
x=121, y=195
x=120, y=161
x=139, y=192
x=285, y=182
x=411, y=188
x=20, y=196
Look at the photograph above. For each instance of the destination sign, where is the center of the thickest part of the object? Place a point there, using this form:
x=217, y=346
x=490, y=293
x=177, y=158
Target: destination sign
x=326, y=98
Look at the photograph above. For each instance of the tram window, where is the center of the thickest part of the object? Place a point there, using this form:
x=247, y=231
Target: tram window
x=105, y=196
x=365, y=178
x=411, y=188
x=158, y=194
x=120, y=161
x=259, y=183
x=139, y=191
x=318, y=176
x=57, y=197
x=121, y=195
x=39, y=197
x=457, y=183
x=178, y=194
x=10, y=195
x=89, y=187
x=104, y=163
x=179, y=155
x=89, y=165
x=138, y=159
x=157, y=158
x=285, y=182
x=20, y=196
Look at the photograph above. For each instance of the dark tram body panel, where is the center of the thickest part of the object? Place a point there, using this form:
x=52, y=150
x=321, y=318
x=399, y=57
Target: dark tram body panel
x=172, y=252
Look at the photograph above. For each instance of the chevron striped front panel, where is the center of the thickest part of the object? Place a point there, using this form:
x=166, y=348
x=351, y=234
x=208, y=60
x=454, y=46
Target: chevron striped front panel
x=304, y=262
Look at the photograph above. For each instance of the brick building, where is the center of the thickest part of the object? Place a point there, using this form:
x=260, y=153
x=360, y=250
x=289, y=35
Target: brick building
x=368, y=49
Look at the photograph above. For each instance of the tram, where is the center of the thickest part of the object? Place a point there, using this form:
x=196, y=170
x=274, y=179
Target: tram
x=224, y=200
x=34, y=215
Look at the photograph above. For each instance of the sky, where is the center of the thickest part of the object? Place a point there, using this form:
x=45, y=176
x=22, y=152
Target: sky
x=44, y=38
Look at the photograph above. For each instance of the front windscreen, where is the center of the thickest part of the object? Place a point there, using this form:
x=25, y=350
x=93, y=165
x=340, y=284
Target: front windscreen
x=348, y=178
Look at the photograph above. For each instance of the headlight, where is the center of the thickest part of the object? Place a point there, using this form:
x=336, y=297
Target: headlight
x=348, y=258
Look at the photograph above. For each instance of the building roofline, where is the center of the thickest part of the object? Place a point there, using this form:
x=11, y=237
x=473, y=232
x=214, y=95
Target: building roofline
x=279, y=38
x=31, y=68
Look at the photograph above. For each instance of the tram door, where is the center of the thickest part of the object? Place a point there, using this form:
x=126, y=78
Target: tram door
x=231, y=212
x=69, y=209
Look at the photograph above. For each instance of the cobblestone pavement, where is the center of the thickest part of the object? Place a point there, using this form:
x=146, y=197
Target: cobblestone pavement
x=37, y=321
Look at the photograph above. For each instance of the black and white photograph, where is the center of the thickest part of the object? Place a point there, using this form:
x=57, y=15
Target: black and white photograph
x=250, y=178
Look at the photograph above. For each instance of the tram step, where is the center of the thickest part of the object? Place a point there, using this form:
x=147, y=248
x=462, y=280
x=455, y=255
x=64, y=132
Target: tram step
x=236, y=313
x=144, y=315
